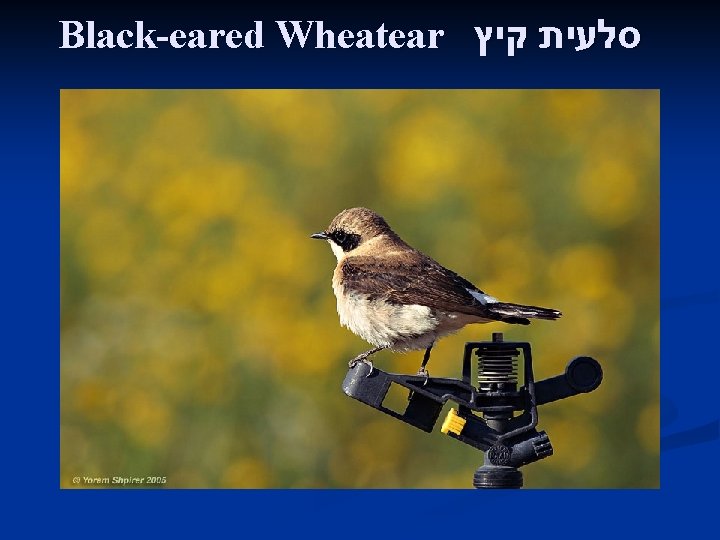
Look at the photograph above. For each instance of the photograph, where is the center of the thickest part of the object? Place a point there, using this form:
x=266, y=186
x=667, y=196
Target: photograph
x=340, y=289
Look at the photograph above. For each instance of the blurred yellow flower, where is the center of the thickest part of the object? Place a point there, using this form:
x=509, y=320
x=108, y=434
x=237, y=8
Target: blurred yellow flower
x=608, y=191
x=247, y=473
x=145, y=417
x=648, y=427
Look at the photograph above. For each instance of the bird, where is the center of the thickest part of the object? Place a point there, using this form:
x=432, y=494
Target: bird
x=396, y=297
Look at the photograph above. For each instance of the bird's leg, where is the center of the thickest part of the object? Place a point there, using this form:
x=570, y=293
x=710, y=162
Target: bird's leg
x=426, y=358
x=363, y=358
x=422, y=371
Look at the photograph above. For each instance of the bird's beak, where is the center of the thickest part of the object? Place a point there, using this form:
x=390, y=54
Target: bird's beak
x=320, y=236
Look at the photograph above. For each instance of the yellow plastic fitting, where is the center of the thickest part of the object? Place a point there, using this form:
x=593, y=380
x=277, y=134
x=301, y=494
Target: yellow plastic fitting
x=453, y=423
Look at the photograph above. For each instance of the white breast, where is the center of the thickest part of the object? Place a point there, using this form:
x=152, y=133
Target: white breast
x=384, y=324
x=398, y=327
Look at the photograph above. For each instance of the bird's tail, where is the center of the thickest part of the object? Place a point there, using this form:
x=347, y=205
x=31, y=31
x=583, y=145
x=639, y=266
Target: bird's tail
x=519, y=314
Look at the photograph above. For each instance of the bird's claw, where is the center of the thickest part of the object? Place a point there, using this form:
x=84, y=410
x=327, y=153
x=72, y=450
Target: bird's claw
x=422, y=372
x=355, y=361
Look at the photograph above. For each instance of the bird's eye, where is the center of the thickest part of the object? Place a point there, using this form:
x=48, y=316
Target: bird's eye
x=347, y=241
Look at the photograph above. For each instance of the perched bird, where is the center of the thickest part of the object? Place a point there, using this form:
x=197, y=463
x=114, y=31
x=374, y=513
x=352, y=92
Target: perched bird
x=397, y=298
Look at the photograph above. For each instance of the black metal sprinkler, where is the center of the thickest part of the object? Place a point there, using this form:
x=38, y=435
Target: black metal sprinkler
x=508, y=441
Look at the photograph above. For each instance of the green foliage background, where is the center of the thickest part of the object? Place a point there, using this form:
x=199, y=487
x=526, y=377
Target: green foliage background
x=199, y=338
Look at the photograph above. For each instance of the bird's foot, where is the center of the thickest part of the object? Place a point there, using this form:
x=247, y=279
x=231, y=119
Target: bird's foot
x=362, y=358
x=422, y=372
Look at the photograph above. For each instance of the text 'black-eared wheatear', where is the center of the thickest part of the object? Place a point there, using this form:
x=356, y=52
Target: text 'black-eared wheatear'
x=397, y=298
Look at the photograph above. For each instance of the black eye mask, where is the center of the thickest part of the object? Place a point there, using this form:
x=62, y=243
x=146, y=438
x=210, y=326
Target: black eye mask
x=347, y=241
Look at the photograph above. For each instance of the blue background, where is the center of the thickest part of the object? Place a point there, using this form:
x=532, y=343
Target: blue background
x=677, y=54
